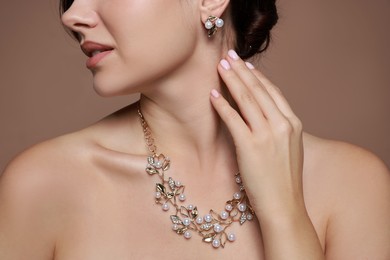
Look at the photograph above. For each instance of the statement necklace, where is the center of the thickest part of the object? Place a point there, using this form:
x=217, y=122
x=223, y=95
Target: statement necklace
x=186, y=219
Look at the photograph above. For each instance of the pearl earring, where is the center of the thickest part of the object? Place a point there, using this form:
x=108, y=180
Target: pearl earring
x=212, y=24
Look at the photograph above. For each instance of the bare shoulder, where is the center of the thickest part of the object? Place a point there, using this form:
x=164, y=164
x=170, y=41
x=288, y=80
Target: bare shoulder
x=355, y=184
x=30, y=201
x=44, y=183
x=342, y=158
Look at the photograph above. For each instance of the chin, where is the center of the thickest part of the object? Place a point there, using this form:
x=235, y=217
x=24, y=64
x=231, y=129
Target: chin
x=113, y=87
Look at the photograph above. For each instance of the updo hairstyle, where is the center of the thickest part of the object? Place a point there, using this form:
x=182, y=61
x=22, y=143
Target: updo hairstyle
x=252, y=22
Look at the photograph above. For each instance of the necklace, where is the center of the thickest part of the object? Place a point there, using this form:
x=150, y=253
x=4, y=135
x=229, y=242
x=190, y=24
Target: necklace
x=186, y=220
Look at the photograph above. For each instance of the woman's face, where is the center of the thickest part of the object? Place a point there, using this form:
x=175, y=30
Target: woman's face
x=133, y=42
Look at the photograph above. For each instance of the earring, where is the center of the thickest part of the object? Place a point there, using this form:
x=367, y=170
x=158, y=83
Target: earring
x=212, y=24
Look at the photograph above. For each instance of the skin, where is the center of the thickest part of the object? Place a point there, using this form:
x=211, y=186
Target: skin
x=85, y=195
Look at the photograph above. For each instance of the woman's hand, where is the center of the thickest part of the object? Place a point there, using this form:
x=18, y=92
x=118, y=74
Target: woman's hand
x=268, y=140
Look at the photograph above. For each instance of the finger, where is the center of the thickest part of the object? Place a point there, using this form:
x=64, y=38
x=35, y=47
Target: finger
x=234, y=122
x=274, y=92
x=279, y=99
x=246, y=102
x=255, y=86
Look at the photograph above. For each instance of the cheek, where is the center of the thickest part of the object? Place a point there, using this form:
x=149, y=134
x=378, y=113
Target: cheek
x=148, y=49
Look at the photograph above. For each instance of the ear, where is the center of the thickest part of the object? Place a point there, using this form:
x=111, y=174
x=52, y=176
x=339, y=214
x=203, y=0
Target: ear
x=212, y=7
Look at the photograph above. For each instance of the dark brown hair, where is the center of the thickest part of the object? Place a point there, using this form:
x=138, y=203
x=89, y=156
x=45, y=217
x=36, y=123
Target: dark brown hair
x=252, y=22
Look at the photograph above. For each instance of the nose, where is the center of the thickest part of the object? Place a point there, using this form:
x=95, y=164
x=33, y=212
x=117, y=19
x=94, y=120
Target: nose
x=79, y=18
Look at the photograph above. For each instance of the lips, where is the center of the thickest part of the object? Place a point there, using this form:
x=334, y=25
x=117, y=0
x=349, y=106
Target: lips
x=96, y=52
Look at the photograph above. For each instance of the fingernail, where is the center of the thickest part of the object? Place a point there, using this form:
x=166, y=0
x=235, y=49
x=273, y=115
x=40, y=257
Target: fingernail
x=232, y=54
x=250, y=65
x=225, y=64
x=215, y=93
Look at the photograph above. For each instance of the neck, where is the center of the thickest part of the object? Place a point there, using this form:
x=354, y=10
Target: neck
x=182, y=119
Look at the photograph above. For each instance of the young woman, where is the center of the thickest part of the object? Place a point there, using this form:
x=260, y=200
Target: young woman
x=242, y=180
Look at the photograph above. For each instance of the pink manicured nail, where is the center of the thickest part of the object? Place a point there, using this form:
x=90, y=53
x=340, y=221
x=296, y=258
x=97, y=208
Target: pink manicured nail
x=232, y=54
x=250, y=65
x=215, y=93
x=225, y=64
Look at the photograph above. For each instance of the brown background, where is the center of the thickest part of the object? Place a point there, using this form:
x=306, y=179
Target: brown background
x=330, y=58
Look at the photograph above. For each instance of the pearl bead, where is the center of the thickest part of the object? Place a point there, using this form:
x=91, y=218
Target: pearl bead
x=208, y=218
x=182, y=197
x=208, y=25
x=186, y=222
x=187, y=234
x=242, y=207
x=158, y=164
x=228, y=207
x=218, y=228
x=249, y=216
x=199, y=220
x=190, y=207
x=231, y=237
x=216, y=243
x=158, y=195
x=175, y=227
x=177, y=183
x=165, y=206
x=238, y=179
x=219, y=23
x=237, y=195
x=224, y=215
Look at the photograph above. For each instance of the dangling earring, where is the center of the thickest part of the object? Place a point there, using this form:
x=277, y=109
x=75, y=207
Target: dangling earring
x=212, y=24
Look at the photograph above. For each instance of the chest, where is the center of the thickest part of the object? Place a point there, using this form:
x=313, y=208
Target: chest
x=125, y=223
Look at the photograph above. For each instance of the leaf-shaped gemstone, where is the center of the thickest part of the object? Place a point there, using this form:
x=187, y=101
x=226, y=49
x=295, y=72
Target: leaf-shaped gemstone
x=160, y=188
x=184, y=211
x=151, y=170
x=234, y=212
x=150, y=160
x=194, y=213
x=180, y=190
x=223, y=239
x=171, y=183
x=209, y=238
x=243, y=218
x=170, y=195
x=181, y=231
x=206, y=226
x=214, y=214
x=176, y=220
x=166, y=164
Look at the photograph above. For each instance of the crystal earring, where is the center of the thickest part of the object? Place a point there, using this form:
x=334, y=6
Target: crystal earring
x=212, y=24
